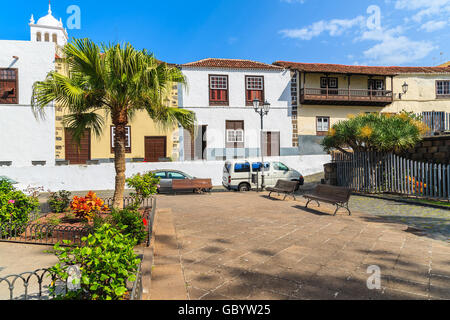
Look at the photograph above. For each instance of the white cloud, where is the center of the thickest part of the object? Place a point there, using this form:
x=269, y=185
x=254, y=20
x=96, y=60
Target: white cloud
x=334, y=28
x=431, y=26
x=395, y=49
x=425, y=8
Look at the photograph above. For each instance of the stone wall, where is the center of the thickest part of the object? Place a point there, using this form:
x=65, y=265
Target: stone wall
x=432, y=149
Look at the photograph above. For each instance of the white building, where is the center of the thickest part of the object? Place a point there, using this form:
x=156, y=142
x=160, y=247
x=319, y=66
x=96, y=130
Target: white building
x=221, y=92
x=24, y=139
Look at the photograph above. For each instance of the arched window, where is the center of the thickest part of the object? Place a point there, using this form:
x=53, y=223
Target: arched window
x=38, y=37
x=47, y=37
x=55, y=38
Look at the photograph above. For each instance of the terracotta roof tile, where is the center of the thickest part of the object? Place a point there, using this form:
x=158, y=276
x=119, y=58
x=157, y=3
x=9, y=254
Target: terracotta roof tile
x=366, y=70
x=230, y=64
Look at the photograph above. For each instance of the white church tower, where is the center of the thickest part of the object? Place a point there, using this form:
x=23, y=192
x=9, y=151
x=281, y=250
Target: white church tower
x=48, y=29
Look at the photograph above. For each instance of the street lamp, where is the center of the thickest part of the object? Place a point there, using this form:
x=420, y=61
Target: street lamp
x=262, y=110
x=405, y=87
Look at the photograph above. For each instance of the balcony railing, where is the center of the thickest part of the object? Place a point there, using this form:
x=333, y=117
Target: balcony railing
x=343, y=96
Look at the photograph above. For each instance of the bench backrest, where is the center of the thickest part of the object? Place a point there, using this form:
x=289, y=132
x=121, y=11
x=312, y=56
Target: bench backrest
x=192, y=184
x=333, y=192
x=288, y=186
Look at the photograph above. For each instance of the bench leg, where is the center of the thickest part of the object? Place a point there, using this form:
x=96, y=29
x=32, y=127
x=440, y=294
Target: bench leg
x=343, y=206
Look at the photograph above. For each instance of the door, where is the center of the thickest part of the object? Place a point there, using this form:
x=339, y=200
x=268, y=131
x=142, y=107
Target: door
x=155, y=148
x=164, y=183
x=78, y=154
x=271, y=143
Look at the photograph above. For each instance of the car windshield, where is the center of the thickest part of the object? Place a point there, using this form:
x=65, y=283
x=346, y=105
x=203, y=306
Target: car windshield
x=280, y=167
x=227, y=167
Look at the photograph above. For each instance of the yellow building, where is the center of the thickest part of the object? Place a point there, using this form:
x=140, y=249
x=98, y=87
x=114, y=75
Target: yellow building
x=146, y=140
x=447, y=64
x=324, y=94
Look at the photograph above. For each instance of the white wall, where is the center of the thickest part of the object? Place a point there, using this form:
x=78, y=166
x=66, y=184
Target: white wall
x=23, y=138
x=102, y=177
x=195, y=96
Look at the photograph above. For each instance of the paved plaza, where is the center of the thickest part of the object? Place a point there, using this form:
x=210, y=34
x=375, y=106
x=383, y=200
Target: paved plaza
x=247, y=246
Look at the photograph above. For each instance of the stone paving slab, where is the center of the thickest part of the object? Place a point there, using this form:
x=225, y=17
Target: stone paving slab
x=247, y=246
x=167, y=280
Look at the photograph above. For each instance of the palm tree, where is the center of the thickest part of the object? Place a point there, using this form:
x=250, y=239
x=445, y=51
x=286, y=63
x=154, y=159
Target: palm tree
x=116, y=79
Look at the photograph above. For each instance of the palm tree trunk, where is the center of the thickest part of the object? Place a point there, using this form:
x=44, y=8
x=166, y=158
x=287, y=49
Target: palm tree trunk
x=120, y=163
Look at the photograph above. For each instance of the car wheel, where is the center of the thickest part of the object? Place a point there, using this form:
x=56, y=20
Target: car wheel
x=244, y=187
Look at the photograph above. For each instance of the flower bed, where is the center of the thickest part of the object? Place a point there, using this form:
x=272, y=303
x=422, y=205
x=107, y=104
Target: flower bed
x=56, y=227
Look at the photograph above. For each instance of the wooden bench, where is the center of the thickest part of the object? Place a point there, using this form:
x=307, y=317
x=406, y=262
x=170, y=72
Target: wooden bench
x=199, y=185
x=337, y=196
x=286, y=187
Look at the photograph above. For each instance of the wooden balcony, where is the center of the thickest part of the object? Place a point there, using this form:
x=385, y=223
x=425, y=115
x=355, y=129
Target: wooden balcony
x=359, y=97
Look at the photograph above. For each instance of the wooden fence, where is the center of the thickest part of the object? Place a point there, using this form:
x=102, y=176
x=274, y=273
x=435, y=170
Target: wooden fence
x=436, y=121
x=372, y=172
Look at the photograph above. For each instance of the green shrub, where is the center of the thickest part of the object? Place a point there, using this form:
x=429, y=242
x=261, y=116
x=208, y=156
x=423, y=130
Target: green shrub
x=15, y=208
x=106, y=262
x=132, y=221
x=144, y=186
x=59, y=201
x=5, y=186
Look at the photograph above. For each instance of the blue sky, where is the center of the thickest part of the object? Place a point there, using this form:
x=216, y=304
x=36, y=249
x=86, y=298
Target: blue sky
x=408, y=33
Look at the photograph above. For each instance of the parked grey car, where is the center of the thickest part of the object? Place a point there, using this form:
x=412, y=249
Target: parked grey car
x=167, y=176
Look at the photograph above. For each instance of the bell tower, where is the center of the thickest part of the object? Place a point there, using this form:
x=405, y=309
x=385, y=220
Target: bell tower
x=48, y=29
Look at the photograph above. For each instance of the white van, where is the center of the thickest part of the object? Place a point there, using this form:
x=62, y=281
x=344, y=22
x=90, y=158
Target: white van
x=237, y=174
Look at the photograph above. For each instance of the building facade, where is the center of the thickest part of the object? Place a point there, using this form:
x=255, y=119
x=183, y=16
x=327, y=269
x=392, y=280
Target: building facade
x=27, y=140
x=146, y=140
x=324, y=94
x=221, y=93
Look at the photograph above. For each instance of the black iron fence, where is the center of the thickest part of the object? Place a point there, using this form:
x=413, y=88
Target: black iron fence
x=48, y=234
x=372, y=172
x=42, y=284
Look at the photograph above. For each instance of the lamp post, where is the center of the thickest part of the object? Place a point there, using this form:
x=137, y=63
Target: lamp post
x=262, y=110
x=405, y=87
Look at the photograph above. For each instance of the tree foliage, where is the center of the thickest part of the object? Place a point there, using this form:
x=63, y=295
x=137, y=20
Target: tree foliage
x=376, y=132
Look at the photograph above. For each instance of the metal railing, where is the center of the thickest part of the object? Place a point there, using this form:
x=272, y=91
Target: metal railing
x=47, y=234
x=372, y=172
x=42, y=284
x=436, y=121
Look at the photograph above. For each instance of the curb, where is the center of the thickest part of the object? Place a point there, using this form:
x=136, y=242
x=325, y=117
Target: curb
x=429, y=205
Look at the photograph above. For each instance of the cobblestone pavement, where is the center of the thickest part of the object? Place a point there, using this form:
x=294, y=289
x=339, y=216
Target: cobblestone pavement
x=247, y=246
x=433, y=221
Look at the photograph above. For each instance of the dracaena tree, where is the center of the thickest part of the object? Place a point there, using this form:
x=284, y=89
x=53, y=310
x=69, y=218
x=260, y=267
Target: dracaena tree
x=111, y=80
x=376, y=132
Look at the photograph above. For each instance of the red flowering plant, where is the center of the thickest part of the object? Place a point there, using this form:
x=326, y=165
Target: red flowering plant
x=88, y=207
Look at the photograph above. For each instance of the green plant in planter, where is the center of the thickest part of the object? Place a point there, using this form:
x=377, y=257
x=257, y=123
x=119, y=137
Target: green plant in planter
x=106, y=262
x=15, y=208
x=59, y=201
x=144, y=186
x=54, y=221
x=132, y=222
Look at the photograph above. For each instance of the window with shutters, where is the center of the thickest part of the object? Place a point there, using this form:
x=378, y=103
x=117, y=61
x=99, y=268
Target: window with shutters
x=235, y=134
x=443, y=89
x=218, y=90
x=9, y=86
x=323, y=125
x=254, y=89
x=128, y=139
